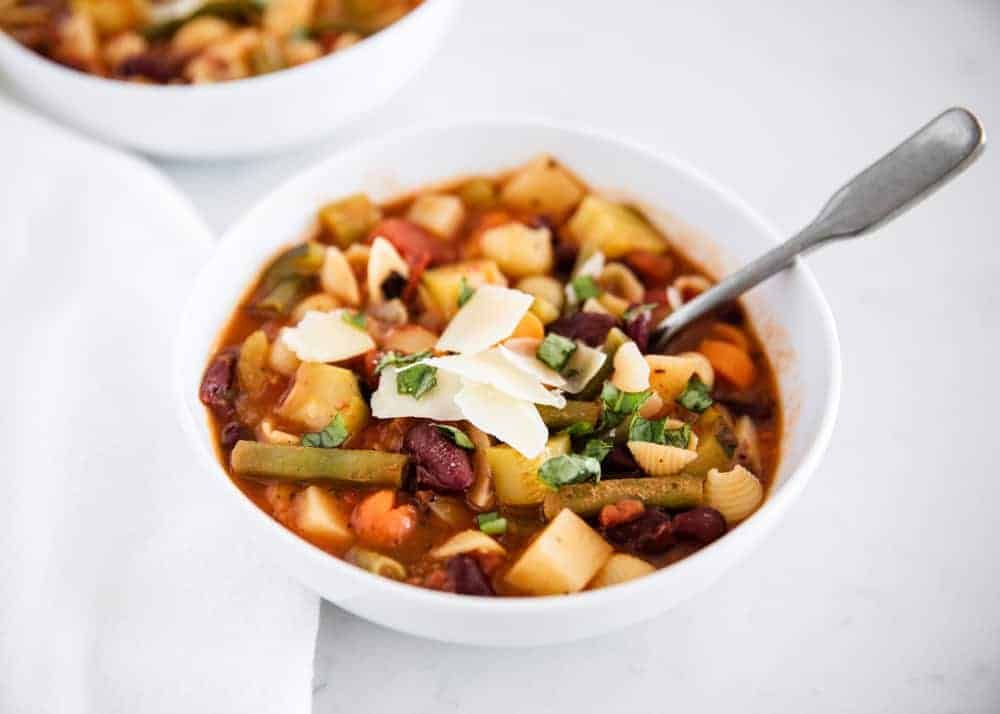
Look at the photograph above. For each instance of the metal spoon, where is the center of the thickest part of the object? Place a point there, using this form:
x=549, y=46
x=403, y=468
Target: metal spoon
x=887, y=188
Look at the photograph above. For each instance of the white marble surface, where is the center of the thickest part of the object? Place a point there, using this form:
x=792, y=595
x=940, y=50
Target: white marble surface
x=880, y=592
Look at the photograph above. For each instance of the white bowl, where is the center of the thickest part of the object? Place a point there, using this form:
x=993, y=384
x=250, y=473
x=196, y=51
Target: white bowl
x=789, y=310
x=249, y=116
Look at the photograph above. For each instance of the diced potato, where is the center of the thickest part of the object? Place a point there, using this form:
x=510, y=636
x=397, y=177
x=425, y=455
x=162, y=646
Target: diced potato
x=284, y=16
x=478, y=193
x=545, y=287
x=515, y=477
x=349, y=219
x=76, y=42
x=319, y=393
x=542, y=187
x=620, y=568
x=440, y=214
x=122, y=47
x=321, y=519
x=299, y=50
x=281, y=358
x=613, y=229
x=613, y=304
x=518, y=250
x=445, y=283
x=251, y=367
x=562, y=559
x=544, y=311
x=113, y=16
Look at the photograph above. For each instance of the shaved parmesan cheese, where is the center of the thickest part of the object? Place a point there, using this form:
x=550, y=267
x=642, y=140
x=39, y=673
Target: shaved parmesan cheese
x=583, y=365
x=516, y=422
x=491, y=314
x=438, y=403
x=383, y=261
x=521, y=352
x=326, y=337
x=492, y=368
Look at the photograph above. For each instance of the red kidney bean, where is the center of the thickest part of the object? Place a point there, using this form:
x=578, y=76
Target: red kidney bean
x=639, y=327
x=619, y=460
x=440, y=464
x=467, y=577
x=232, y=432
x=591, y=327
x=656, y=269
x=650, y=533
x=217, y=385
x=565, y=254
x=701, y=525
x=156, y=64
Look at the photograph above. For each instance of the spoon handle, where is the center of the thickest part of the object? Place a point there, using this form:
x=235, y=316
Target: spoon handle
x=887, y=188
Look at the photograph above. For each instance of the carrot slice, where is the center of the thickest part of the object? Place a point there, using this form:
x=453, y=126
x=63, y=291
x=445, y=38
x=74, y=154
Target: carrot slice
x=529, y=326
x=731, y=334
x=729, y=362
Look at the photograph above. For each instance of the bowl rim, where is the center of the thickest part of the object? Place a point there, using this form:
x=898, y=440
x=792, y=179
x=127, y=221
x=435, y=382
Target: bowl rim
x=370, y=43
x=749, y=531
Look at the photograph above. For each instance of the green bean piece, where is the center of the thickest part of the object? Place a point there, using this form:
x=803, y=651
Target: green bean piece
x=615, y=339
x=348, y=467
x=587, y=499
x=240, y=11
x=376, y=563
x=284, y=297
x=574, y=411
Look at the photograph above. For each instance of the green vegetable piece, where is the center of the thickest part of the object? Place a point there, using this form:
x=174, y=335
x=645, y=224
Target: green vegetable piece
x=573, y=413
x=302, y=260
x=584, y=287
x=580, y=428
x=497, y=526
x=483, y=518
x=646, y=430
x=679, y=437
x=394, y=359
x=597, y=448
x=239, y=11
x=618, y=404
x=456, y=435
x=375, y=562
x=284, y=297
x=587, y=499
x=695, y=397
x=416, y=380
x=348, y=220
x=569, y=468
x=355, y=319
x=555, y=351
x=348, y=467
x=331, y=437
x=465, y=292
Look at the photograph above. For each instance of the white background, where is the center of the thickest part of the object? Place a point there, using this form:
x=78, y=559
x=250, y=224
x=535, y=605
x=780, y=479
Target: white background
x=880, y=591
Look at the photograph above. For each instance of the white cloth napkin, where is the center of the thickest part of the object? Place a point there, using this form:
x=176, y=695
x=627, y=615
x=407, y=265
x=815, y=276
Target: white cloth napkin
x=122, y=585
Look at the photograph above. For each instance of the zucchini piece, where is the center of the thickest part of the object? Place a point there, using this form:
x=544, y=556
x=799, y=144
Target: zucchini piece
x=574, y=411
x=716, y=443
x=349, y=219
x=348, y=467
x=515, y=478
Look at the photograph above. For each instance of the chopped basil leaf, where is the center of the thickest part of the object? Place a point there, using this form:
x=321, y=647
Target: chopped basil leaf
x=619, y=404
x=569, y=468
x=394, y=359
x=331, y=437
x=416, y=380
x=555, y=351
x=597, y=448
x=465, y=292
x=580, y=428
x=637, y=310
x=496, y=526
x=647, y=430
x=584, y=287
x=679, y=437
x=355, y=319
x=456, y=435
x=695, y=396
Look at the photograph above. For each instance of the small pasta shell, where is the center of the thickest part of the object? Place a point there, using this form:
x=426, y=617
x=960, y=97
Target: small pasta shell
x=660, y=459
x=686, y=287
x=631, y=372
x=468, y=541
x=618, y=278
x=268, y=434
x=669, y=374
x=337, y=278
x=594, y=305
x=613, y=304
x=735, y=494
x=357, y=255
x=652, y=407
x=620, y=568
x=383, y=261
x=320, y=302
